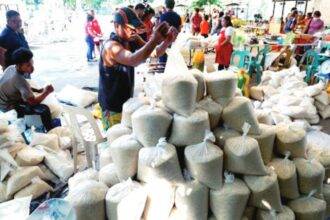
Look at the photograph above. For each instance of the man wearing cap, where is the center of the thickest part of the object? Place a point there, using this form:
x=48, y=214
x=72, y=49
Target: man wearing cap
x=122, y=52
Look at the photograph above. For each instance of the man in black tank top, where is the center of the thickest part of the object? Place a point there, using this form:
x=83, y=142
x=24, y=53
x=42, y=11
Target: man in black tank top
x=122, y=52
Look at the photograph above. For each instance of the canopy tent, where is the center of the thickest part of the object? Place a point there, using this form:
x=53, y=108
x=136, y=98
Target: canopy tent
x=283, y=2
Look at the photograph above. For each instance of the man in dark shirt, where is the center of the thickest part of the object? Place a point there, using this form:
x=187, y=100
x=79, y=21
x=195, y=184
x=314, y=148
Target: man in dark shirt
x=173, y=19
x=11, y=38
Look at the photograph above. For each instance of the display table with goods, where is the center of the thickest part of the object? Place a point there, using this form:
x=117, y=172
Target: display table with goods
x=189, y=147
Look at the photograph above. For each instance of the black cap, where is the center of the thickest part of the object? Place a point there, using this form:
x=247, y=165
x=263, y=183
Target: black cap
x=126, y=16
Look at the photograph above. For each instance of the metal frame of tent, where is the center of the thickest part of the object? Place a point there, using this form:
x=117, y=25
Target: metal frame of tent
x=283, y=2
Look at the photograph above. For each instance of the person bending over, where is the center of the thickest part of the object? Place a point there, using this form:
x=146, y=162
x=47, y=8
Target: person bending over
x=122, y=52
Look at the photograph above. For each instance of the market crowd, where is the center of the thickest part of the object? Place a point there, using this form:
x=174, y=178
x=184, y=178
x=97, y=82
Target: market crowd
x=139, y=33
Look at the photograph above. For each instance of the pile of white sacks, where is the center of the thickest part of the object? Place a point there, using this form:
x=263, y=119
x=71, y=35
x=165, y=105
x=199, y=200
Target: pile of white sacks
x=28, y=169
x=284, y=97
x=198, y=152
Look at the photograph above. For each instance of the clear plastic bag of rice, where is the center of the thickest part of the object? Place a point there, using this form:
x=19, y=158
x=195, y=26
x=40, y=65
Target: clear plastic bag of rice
x=159, y=162
x=239, y=111
x=221, y=86
x=129, y=107
x=89, y=174
x=59, y=164
x=230, y=201
x=49, y=140
x=105, y=156
x=191, y=200
x=266, y=141
x=310, y=176
x=117, y=131
x=160, y=200
x=286, y=214
x=125, y=154
x=264, y=189
x=21, y=178
x=326, y=195
x=198, y=75
x=204, y=161
x=223, y=133
x=213, y=109
x=29, y=156
x=189, y=130
x=263, y=117
x=108, y=175
x=308, y=207
x=291, y=138
x=88, y=200
x=243, y=155
x=286, y=176
x=179, y=92
x=123, y=196
x=150, y=123
x=65, y=136
x=37, y=188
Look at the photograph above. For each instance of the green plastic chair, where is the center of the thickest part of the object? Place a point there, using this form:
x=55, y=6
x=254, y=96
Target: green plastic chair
x=258, y=62
x=312, y=62
x=240, y=59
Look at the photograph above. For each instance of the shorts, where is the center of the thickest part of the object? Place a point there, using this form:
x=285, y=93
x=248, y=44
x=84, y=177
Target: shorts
x=109, y=119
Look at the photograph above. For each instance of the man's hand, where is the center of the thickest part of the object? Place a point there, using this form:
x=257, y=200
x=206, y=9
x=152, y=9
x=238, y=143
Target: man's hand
x=171, y=35
x=49, y=89
x=160, y=33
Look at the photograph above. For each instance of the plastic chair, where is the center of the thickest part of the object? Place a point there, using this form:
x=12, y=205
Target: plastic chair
x=312, y=62
x=243, y=57
x=92, y=155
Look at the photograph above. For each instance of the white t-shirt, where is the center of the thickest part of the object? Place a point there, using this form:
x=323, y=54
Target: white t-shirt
x=229, y=31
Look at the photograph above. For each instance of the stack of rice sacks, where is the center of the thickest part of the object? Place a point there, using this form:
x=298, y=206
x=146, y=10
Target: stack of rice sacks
x=200, y=153
x=284, y=96
x=35, y=168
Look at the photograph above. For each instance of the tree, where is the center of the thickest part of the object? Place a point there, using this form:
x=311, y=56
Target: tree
x=201, y=3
